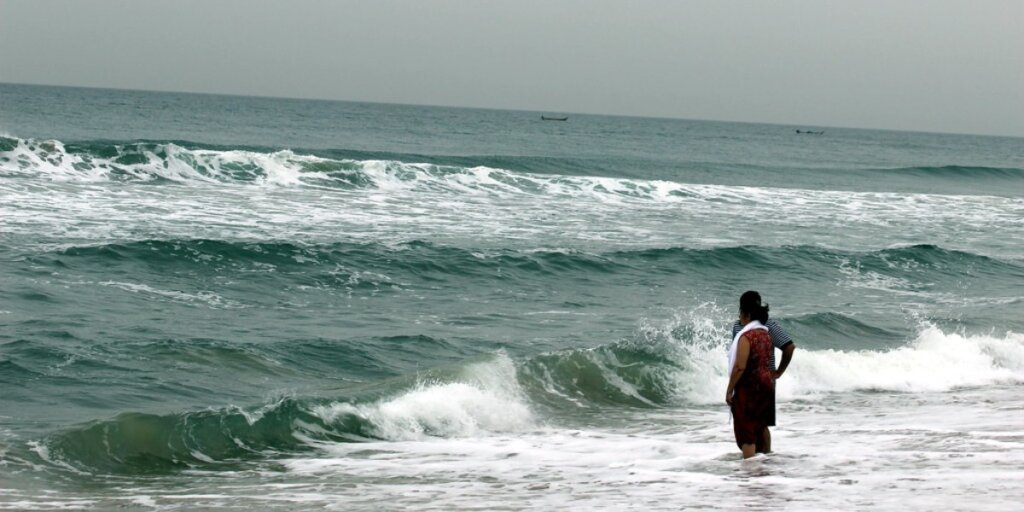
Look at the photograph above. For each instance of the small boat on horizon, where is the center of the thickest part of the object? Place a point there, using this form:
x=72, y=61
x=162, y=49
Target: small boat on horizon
x=551, y=118
x=810, y=132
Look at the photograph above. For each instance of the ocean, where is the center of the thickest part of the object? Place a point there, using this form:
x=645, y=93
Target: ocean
x=215, y=302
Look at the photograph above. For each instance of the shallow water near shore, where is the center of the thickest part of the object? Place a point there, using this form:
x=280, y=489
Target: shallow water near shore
x=213, y=302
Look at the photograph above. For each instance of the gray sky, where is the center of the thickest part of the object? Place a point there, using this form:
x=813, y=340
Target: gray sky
x=932, y=65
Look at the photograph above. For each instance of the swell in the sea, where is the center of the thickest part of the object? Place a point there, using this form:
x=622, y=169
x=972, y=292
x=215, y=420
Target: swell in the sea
x=438, y=261
x=678, y=363
x=184, y=162
x=193, y=272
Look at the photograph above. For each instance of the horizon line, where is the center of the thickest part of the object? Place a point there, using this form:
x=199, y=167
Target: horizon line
x=397, y=103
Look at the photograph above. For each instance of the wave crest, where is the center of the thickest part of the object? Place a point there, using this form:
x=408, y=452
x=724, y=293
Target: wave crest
x=680, y=362
x=476, y=398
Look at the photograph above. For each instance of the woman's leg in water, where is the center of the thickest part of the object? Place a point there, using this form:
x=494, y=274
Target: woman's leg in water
x=749, y=450
x=766, y=442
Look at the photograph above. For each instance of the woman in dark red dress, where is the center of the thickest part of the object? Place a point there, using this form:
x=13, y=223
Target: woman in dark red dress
x=751, y=390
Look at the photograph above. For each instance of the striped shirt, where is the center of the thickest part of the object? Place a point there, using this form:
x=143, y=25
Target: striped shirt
x=780, y=338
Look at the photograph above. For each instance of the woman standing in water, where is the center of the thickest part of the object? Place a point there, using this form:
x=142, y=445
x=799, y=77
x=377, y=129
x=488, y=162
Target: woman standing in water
x=751, y=390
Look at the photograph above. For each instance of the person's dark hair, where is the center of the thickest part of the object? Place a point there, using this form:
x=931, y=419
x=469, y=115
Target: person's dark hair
x=750, y=303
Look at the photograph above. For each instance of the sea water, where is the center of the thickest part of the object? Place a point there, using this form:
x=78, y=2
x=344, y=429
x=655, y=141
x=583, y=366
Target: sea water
x=216, y=302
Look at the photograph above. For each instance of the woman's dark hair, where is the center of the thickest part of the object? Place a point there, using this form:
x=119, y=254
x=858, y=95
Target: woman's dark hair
x=750, y=303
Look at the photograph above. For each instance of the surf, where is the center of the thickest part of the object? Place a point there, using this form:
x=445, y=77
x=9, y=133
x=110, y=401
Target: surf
x=671, y=368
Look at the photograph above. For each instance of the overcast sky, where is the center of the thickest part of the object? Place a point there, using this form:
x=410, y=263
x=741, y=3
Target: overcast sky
x=932, y=65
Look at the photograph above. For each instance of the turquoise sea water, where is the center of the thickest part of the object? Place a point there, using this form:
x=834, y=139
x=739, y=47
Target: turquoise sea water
x=223, y=302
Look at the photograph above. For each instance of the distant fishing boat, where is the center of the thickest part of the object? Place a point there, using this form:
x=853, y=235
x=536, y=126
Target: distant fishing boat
x=810, y=132
x=548, y=118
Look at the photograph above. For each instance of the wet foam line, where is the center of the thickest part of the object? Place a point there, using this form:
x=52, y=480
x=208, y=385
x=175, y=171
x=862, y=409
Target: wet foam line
x=32, y=504
x=50, y=159
x=863, y=452
x=237, y=211
x=205, y=297
x=853, y=450
x=487, y=400
x=933, y=361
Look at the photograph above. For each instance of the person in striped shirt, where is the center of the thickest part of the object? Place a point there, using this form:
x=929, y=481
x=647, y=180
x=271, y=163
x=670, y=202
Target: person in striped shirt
x=782, y=341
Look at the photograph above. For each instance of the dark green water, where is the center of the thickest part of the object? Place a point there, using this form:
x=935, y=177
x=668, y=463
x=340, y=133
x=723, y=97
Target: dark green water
x=198, y=290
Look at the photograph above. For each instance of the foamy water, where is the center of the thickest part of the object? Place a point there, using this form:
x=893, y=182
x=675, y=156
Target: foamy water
x=863, y=451
x=250, y=196
x=378, y=307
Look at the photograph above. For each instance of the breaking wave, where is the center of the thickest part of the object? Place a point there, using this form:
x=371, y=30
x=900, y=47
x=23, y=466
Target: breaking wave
x=680, y=362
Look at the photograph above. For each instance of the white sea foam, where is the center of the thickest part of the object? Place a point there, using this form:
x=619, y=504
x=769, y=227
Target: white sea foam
x=204, y=297
x=51, y=159
x=486, y=399
x=935, y=361
x=471, y=443
x=894, y=452
x=283, y=195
